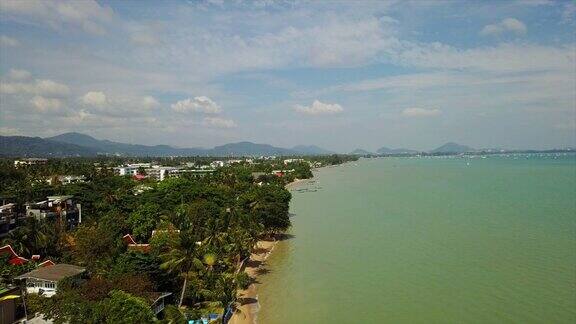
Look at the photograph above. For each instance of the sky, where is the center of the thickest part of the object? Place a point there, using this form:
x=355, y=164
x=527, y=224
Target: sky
x=338, y=74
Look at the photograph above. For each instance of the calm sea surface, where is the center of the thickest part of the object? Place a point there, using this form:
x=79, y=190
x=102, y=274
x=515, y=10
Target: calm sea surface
x=430, y=240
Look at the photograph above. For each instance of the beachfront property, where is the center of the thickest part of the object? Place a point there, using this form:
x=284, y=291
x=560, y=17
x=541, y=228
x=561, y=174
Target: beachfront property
x=29, y=161
x=44, y=280
x=63, y=208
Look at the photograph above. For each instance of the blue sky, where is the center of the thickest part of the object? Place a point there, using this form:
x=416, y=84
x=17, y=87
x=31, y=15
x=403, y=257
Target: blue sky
x=338, y=74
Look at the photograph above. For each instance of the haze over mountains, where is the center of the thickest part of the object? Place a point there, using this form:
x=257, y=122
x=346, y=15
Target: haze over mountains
x=77, y=144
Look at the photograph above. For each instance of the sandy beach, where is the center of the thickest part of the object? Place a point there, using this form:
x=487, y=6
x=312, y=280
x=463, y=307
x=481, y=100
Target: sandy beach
x=248, y=298
x=255, y=266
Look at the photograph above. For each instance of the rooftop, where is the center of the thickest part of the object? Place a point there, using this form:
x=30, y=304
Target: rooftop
x=53, y=273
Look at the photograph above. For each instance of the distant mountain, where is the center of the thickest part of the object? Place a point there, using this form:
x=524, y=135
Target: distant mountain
x=360, y=152
x=452, y=148
x=250, y=149
x=109, y=147
x=21, y=146
x=311, y=150
x=386, y=150
x=77, y=144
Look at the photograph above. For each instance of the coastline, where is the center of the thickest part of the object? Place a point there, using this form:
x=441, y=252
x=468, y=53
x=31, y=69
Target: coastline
x=255, y=266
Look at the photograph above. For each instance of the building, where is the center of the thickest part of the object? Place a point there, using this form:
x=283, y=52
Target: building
x=157, y=300
x=65, y=179
x=217, y=164
x=131, y=169
x=8, y=218
x=292, y=161
x=160, y=173
x=11, y=305
x=30, y=161
x=63, y=208
x=44, y=280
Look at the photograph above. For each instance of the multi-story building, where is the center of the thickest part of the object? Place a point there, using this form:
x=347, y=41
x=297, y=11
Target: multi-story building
x=62, y=208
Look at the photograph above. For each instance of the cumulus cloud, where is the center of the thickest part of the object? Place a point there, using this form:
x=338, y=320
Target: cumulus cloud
x=8, y=41
x=19, y=75
x=150, y=102
x=219, y=122
x=94, y=98
x=200, y=104
x=46, y=104
x=508, y=25
x=420, y=112
x=319, y=108
x=37, y=87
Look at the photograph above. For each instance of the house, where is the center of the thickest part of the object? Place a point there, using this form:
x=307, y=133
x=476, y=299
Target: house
x=30, y=161
x=44, y=280
x=11, y=305
x=14, y=259
x=133, y=246
x=11, y=255
x=63, y=208
x=157, y=300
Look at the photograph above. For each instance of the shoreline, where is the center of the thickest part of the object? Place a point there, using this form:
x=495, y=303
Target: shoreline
x=248, y=298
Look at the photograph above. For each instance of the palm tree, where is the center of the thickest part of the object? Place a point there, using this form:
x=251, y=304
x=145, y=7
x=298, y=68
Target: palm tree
x=182, y=259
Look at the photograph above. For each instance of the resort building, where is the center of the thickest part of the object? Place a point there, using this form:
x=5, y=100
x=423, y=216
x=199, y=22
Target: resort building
x=65, y=179
x=30, y=161
x=44, y=280
x=62, y=208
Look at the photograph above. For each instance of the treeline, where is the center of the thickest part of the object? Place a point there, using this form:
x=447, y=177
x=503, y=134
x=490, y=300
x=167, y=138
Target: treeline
x=205, y=227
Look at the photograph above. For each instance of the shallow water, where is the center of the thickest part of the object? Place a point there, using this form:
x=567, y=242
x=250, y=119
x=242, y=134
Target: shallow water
x=430, y=240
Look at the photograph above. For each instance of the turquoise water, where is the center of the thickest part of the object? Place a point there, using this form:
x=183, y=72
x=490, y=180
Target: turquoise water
x=430, y=240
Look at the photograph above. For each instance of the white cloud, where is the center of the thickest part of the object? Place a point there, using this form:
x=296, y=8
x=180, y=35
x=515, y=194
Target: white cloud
x=46, y=104
x=420, y=112
x=200, y=104
x=150, y=102
x=19, y=75
x=319, y=108
x=219, y=122
x=37, y=87
x=8, y=41
x=88, y=14
x=508, y=25
x=94, y=98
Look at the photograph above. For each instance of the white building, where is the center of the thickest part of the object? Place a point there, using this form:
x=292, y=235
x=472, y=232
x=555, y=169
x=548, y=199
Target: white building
x=66, y=179
x=30, y=161
x=44, y=280
x=217, y=164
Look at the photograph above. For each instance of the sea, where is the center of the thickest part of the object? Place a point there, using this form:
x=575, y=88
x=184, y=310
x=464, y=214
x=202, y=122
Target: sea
x=458, y=239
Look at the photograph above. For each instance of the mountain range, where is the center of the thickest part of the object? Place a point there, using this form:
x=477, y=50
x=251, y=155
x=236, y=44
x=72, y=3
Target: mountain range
x=77, y=144
x=452, y=147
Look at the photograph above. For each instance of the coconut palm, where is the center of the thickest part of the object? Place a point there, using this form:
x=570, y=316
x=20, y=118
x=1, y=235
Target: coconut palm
x=182, y=259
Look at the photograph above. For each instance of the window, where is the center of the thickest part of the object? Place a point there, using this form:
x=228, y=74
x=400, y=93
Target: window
x=50, y=284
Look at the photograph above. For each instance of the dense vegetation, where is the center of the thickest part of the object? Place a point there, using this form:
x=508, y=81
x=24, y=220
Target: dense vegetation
x=206, y=227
